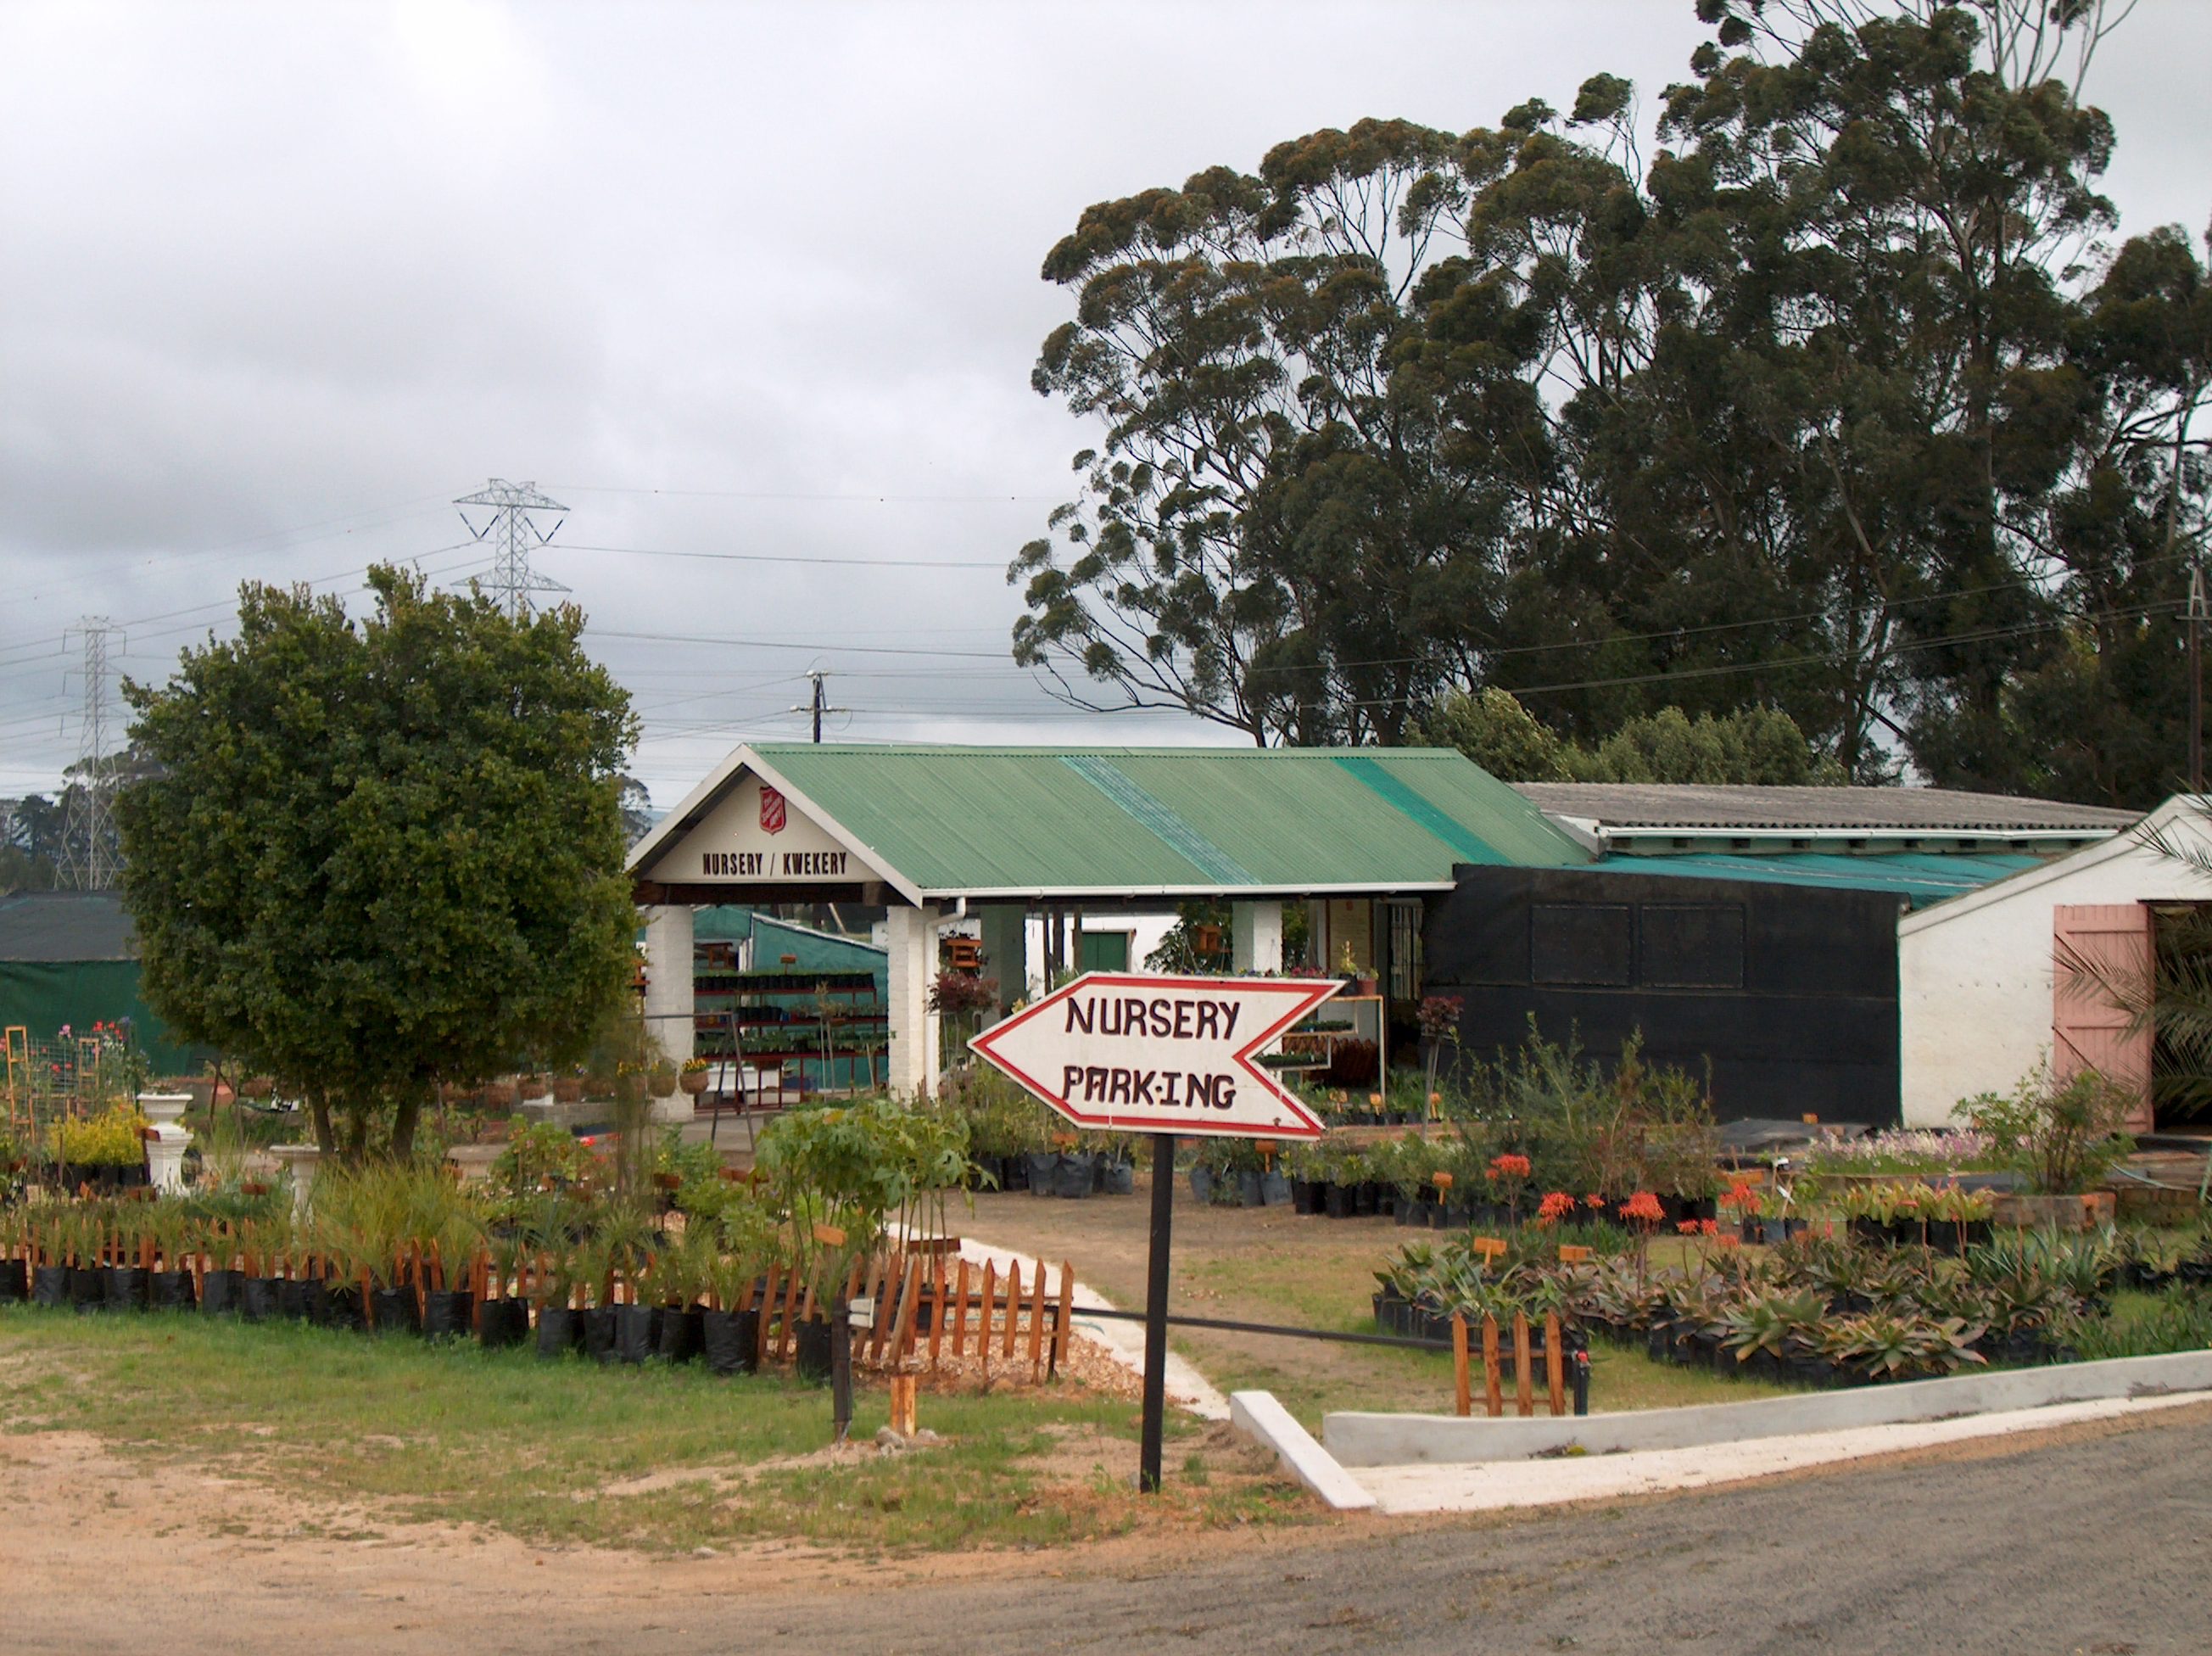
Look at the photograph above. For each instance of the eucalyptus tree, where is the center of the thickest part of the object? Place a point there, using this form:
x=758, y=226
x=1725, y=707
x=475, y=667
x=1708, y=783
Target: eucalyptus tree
x=1265, y=532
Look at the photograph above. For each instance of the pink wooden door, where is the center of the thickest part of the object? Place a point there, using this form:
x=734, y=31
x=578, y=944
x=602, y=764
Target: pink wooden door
x=2113, y=941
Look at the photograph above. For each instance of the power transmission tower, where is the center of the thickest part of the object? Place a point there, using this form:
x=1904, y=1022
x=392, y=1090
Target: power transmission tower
x=512, y=535
x=89, y=849
x=816, y=705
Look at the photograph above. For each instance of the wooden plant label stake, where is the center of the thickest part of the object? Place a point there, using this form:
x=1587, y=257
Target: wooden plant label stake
x=790, y=1332
x=1060, y=1328
x=885, y=1279
x=1462, y=1383
x=1524, y=1364
x=903, y=1400
x=1037, y=1324
x=937, y=1312
x=1555, y=1364
x=767, y=1314
x=909, y=1296
x=983, y=1345
x=1493, y=1394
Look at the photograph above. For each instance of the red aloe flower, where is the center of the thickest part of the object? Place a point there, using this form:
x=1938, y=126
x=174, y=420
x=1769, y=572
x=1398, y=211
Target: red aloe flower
x=1643, y=1206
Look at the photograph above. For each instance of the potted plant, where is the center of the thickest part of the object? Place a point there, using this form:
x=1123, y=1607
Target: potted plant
x=554, y=1282
x=682, y=1282
x=2064, y=1138
x=729, y=1332
x=694, y=1077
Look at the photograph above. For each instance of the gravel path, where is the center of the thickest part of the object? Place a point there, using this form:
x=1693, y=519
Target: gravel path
x=2092, y=1539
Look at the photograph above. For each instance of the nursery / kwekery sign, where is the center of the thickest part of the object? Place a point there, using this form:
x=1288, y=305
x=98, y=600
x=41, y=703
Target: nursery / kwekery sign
x=1128, y=1054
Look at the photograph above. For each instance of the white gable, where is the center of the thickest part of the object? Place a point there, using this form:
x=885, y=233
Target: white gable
x=753, y=835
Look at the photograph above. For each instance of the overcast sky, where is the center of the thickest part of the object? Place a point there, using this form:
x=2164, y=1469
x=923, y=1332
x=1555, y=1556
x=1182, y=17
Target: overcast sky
x=279, y=281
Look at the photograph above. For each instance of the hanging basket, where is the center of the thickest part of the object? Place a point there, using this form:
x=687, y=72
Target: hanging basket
x=693, y=1081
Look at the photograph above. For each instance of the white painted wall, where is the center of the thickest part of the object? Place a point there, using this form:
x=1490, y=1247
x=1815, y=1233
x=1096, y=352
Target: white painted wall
x=1145, y=932
x=1975, y=975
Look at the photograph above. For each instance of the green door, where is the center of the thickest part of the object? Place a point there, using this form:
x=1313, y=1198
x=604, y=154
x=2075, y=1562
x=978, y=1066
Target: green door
x=1104, y=950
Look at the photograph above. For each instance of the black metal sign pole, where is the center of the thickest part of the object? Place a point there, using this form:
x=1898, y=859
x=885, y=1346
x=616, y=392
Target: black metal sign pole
x=1155, y=1313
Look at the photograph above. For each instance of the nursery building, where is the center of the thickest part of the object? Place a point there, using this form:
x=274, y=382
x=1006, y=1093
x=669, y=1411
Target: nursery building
x=996, y=835
x=1749, y=933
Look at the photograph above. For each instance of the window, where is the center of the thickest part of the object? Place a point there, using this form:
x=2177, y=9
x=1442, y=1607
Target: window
x=1581, y=943
x=1692, y=945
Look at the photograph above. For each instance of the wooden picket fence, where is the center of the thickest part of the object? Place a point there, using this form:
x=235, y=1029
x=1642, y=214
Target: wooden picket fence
x=1524, y=1367
x=929, y=1304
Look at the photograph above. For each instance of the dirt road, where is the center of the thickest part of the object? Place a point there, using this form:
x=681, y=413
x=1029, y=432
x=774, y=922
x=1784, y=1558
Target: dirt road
x=2092, y=1540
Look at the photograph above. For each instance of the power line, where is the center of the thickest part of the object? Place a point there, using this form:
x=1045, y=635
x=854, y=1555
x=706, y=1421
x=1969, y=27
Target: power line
x=809, y=561
x=857, y=498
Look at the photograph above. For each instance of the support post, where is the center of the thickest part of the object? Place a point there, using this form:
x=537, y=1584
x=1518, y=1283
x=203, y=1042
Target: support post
x=1005, y=951
x=1155, y=1313
x=669, y=1003
x=910, y=934
x=1257, y=937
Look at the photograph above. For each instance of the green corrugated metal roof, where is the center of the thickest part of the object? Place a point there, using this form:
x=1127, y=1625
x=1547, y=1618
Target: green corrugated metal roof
x=953, y=819
x=1920, y=877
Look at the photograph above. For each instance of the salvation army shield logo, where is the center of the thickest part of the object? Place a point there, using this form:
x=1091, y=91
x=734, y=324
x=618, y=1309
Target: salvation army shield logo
x=772, y=812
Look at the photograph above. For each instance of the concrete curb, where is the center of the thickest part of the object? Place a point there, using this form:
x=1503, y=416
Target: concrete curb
x=1356, y=1439
x=1259, y=1416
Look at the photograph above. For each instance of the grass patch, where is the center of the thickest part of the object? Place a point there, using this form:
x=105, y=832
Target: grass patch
x=658, y=1458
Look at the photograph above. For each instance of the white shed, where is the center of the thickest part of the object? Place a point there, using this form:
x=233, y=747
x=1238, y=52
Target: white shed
x=1980, y=997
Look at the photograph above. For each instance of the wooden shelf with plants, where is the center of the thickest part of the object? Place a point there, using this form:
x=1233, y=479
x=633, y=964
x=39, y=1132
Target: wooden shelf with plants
x=1312, y=1047
x=768, y=1019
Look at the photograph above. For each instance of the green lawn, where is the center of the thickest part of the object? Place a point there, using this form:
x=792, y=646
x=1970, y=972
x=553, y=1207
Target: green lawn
x=655, y=1458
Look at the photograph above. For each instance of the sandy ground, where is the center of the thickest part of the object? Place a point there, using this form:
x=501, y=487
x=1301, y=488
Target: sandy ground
x=2090, y=1539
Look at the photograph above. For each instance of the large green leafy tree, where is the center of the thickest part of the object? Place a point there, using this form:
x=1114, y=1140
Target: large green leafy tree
x=380, y=854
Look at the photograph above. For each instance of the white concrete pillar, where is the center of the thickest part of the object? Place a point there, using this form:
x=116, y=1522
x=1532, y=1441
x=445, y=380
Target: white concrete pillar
x=165, y=1151
x=1256, y=936
x=911, y=935
x=300, y=1161
x=669, y=1003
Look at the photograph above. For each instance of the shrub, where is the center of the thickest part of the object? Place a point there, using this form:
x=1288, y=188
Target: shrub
x=2065, y=1136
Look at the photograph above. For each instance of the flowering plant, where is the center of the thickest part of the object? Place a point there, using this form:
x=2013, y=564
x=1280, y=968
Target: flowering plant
x=1555, y=1206
x=1743, y=1202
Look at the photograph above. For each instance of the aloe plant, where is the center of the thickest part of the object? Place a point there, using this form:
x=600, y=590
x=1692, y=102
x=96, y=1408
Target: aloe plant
x=1779, y=1324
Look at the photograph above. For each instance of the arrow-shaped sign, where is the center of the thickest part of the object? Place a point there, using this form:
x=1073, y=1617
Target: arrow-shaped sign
x=1127, y=1054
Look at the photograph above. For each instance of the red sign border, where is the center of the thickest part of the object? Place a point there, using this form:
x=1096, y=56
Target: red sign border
x=1307, y=1127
